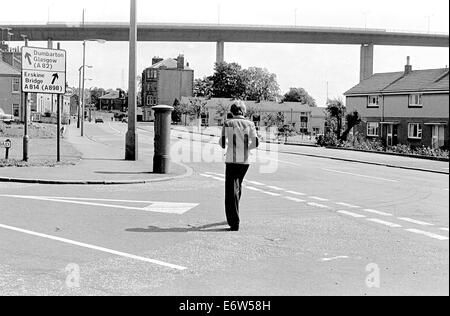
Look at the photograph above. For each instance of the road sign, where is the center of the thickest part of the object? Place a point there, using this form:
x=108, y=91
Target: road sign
x=43, y=70
x=6, y=144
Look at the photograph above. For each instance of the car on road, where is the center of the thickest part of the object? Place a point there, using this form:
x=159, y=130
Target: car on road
x=6, y=118
x=99, y=120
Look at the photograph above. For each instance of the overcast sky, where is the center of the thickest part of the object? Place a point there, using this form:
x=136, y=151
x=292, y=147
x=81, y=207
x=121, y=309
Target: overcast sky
x=296, y=65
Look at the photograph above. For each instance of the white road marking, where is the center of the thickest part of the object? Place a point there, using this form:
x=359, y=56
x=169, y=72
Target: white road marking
x=270, y=193
x=367, y=210
x=295, y=193
x=116, y=130
x=347, y=205
x=275, y=188
x=102, y=249
x=318, y=198
x=379, y=221
x=351, y=214
x=410, y=220
x=431, y=235
x=158, y=207
x=444, y=229
x=256, y=183
x=294, y=199
x=360, y=175
x=317, y=205
x=253, y=189
x=206, y=175
x=334, y=258
x=218, y=179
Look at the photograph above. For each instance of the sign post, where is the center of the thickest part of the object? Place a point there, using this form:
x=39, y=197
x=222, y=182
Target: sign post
x=43, y=71
x=7, y=145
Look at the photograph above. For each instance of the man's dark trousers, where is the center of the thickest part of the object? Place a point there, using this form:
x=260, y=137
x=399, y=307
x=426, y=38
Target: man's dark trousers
x=234, y=176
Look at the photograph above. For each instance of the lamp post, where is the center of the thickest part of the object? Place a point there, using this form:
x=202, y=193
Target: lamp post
x=79, y=95
x=131, y=138
x=101, y=41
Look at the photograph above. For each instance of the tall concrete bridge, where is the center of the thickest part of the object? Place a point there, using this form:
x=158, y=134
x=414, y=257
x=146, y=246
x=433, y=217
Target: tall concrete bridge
x=366, y=38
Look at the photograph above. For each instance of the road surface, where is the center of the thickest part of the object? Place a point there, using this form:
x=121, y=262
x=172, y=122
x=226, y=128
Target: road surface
x=309, y=226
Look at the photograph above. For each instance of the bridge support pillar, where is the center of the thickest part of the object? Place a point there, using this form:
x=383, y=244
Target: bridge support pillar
x=220, y=52
x=366, y=62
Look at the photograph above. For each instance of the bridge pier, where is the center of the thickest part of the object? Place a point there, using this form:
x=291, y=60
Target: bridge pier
x=220, y=52
x=366, y=70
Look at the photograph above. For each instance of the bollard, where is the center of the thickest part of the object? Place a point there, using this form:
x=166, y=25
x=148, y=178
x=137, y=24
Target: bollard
x=163, y=120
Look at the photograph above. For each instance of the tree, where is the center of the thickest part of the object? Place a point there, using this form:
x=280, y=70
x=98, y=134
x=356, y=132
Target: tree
x=352, y=119
x=261, y=85
x=196, y=108
x=228, y=81
x=203, y=87
x=299, y=95
x=336, y=112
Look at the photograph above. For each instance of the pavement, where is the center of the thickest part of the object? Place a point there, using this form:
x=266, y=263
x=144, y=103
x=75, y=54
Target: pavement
x=102, y=162
x=309, y=226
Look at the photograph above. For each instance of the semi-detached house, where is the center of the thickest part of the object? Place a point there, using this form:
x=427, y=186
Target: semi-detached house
x=409, y=107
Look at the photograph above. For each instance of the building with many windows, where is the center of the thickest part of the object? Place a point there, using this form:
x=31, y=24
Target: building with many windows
x=164, y=82
x=302, y=117
x=409, y=107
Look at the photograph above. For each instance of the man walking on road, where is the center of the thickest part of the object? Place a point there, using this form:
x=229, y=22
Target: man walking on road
x=239, y=135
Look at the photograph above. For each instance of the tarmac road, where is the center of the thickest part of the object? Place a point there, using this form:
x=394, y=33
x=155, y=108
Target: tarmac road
x=310, y=226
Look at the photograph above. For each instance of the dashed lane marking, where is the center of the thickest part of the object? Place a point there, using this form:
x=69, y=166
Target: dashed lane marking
x=361, y=175
x=347, y=205
x=318, y=205
x=318, y=198
x=379, y=221
x=334, y=258
x=367, y=210
x=93, y=247
x=275, y=188
x=294, y=199
x=296, y=193
x=351, y=214
x=255, y=183
x=270, y=193
x=424, y=233
x=410, y=220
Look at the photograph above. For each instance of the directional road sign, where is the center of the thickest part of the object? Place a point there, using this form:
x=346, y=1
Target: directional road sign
x=43, y=70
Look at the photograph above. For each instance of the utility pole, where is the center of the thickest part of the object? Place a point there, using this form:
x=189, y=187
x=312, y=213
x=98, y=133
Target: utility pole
x=82, y=88
x=131, y=138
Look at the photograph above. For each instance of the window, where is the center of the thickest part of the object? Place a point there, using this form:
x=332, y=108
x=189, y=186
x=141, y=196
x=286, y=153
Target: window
x=373, y=101
x=16, y=110
x=414, y=131
x=373, y=129
x=152, y=100
x=16, y=85
x=415, y=100
x=151, y=74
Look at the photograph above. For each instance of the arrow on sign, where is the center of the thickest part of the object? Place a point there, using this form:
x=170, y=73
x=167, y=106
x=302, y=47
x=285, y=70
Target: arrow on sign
x=55, y=76
x=28, y=57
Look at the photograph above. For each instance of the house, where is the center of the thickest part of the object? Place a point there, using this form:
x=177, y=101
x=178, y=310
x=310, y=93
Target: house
x=304, y=118
x=164, y=82
x=409, y=107
x=114, y=100
x=10, y=90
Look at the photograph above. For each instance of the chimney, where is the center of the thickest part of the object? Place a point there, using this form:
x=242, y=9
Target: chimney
x=180, y=62
x=156, y=60
x=408, y=67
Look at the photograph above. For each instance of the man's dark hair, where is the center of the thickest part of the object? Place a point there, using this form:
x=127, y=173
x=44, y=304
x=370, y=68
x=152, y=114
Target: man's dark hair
x=238, y=108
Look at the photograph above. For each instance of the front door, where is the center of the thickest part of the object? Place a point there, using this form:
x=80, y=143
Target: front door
x=437, y=136
x=390, y=135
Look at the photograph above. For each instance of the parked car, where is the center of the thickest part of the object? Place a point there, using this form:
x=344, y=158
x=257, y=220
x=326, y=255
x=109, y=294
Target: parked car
x=99, y=120
x=6, y=118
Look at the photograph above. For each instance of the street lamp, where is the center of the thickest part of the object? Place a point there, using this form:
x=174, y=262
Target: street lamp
x=79, y=93
x=101, y=41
